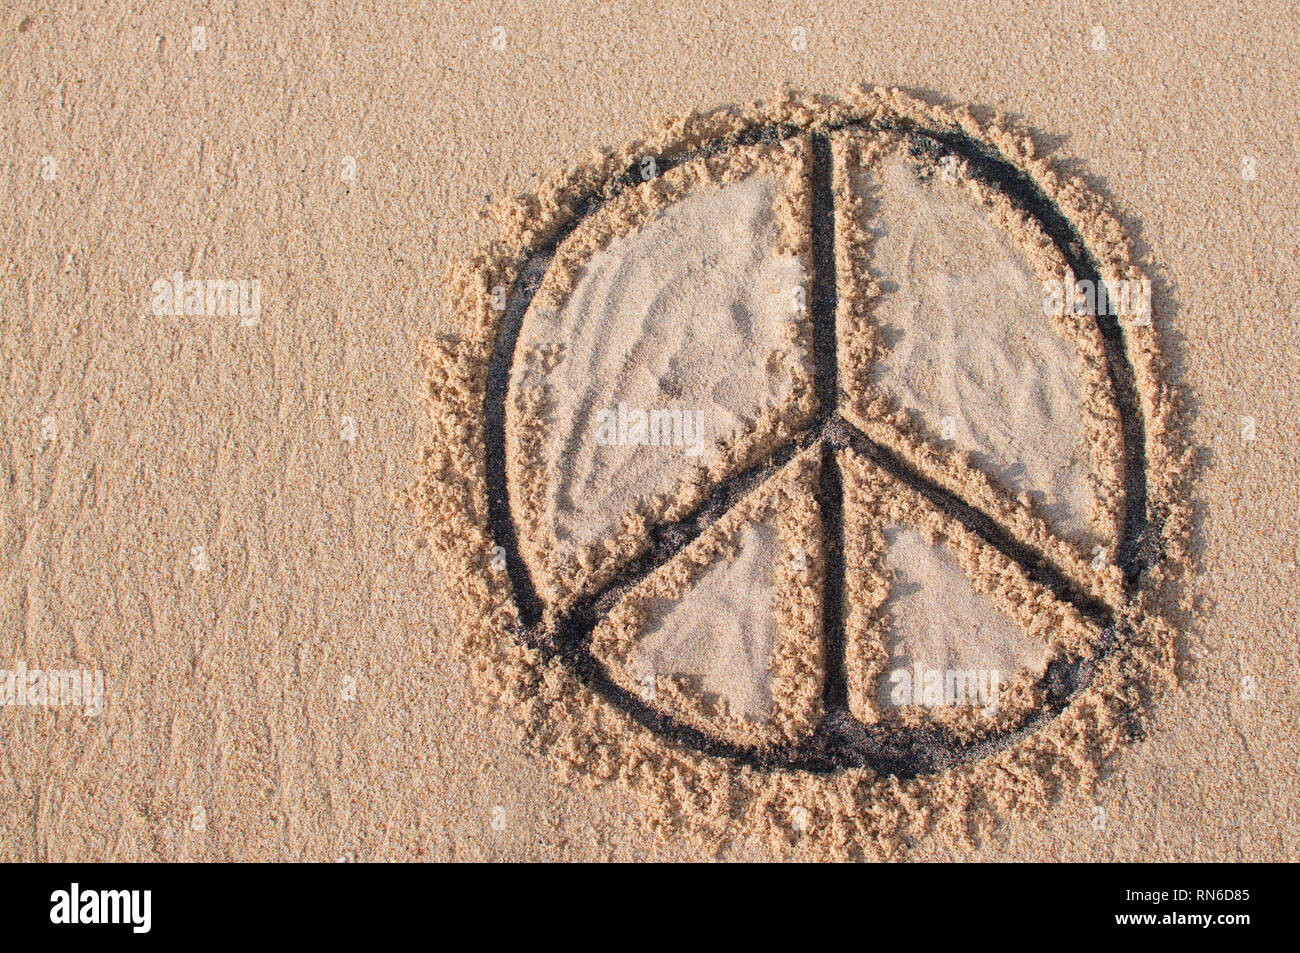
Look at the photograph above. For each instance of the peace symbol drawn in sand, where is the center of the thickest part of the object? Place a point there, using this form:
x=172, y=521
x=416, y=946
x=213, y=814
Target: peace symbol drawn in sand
x=793, y=455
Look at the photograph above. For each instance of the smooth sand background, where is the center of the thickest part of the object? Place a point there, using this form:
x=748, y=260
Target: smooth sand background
x=227, y=689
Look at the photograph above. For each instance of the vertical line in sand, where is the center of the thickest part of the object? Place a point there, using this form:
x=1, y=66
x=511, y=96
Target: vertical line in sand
x=823, y=303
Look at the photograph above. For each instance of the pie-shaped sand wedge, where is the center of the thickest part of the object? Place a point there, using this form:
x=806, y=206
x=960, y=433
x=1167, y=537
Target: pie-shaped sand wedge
x=770, y=480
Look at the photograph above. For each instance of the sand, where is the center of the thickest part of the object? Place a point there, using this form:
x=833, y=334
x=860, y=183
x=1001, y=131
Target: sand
x=722, y=634
x=303, y=694
x=727, y=634
x=926, y=594
x=669, y=347
x=960, y=631
x=968, y=352
x=956, y=366
x=564, y=662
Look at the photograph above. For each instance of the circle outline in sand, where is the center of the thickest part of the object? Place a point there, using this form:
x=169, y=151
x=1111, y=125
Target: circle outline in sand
x=840, y=740
x=1098, y=702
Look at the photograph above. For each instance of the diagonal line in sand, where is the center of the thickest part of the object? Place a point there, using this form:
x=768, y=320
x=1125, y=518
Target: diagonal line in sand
x=842, y=434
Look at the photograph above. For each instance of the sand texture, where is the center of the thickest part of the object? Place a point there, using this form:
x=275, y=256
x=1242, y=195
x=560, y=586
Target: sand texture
x=962, y=631
x=955, y=364
x=833, y=776
x=967, y=350
x=722, y=634
x=728, y=634
x=660, y=354
x=926, y=594
x=271, y=533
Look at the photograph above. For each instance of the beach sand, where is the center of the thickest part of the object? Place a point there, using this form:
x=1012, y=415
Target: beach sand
x=212, y=510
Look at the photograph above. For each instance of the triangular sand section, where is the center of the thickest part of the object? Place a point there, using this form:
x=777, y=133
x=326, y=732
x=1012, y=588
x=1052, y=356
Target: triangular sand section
x=726, y=636
x=960, y=354
x=667, y=348
x=722, y=632
x=940, y=625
